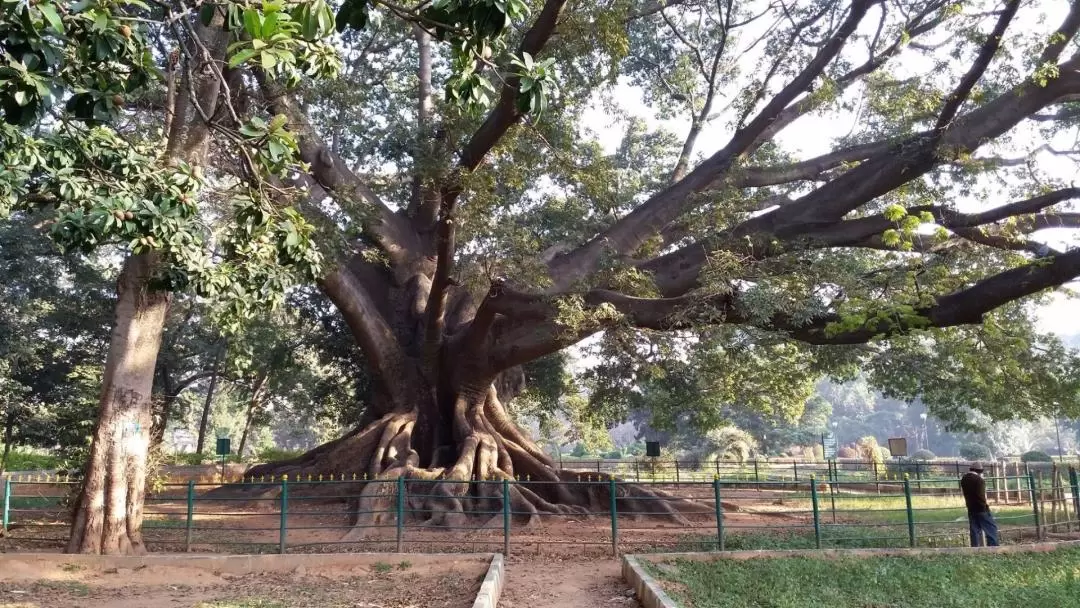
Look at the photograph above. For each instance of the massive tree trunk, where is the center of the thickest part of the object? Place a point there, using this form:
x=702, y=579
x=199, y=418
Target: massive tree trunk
x=109, y=512
x=439, y=412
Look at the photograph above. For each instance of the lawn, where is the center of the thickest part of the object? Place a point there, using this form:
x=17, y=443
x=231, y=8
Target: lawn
x=940, y=581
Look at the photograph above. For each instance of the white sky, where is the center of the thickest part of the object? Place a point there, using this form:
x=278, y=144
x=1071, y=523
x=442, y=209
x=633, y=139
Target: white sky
x=805, y=139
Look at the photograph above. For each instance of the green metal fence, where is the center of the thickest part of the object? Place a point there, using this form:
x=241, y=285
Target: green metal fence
x=606, y=514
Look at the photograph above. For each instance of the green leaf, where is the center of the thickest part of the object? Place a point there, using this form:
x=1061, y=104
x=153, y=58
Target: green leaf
x=101, y=22
x=52, y=17
x=251, y=23
x=268, y=60
x=242, y=56
x=895, y=213
x=206, y=13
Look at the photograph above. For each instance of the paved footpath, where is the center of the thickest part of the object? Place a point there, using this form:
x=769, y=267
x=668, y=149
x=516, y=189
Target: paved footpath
x=546, y=582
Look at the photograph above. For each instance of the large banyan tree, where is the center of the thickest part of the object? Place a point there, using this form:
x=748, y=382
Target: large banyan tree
x=479, y=237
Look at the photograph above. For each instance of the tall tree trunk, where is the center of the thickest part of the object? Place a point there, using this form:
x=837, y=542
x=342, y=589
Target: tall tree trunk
x=253, y=406
x=205, y=419
x=162, y=408
x=108, y=517
x=108, y=513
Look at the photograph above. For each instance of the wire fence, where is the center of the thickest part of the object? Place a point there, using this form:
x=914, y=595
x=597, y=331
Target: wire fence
x=778, y=469
x=607, y=514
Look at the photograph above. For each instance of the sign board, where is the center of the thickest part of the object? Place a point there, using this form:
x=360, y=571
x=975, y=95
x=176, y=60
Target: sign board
x=898, y=447
x=224, y=446
x=652, y=449
x=828, y=446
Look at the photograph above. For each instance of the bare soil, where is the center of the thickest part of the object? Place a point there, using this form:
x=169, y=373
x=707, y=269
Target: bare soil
x=555, y=583
x=375, y=585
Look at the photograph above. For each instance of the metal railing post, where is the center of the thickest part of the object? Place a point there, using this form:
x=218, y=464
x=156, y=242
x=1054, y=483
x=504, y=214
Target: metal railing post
x=7, y=504
x=757, y=478
x=910, y=511
x=614, y=518
x=817, y=515
x=506, y=515
x=400, y=512
x=190, y=524
x=283, y=529
x=719, y=515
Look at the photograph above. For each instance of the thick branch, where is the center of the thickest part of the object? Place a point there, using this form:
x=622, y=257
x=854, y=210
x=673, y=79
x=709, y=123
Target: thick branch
x=627, y=234
x=962, y=91
x=913, y=29
x=392, y=231
x=375, y=337
x=505, y=113
x=965, y=307
x=436, y=304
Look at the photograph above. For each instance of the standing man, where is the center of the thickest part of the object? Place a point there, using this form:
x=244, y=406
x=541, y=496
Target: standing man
x=979, y=518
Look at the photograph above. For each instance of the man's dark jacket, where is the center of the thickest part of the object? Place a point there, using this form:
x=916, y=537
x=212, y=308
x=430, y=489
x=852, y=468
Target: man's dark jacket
x=974, y=488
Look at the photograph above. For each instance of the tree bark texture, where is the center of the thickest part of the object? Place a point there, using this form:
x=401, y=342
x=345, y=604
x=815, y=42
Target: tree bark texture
x=109, y=512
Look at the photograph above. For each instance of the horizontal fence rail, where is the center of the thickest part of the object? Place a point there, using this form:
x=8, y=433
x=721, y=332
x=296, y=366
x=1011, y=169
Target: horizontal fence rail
x=823, y=509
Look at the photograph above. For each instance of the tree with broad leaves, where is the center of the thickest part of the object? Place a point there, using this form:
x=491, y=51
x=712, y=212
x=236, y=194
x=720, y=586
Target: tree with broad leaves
x=482, y=238
x=71, y=149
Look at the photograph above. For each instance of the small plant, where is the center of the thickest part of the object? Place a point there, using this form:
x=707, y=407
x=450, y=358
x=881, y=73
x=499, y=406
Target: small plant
x=71, y=567
x=382, y=567
x=404, y=565
x=69, y=587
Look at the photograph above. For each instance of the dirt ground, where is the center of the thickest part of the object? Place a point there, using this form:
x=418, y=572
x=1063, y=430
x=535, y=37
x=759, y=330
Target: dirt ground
x=533, y=582
x=375, y=585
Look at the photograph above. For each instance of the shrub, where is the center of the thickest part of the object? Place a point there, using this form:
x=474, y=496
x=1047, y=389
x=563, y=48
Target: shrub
x=923, y=455
x=276, y=454
x=1035, y=456
x=975, y=451
x=728, y=443
x=847, y=452
x=614, y=455
x=185, y=459
x=869, y=450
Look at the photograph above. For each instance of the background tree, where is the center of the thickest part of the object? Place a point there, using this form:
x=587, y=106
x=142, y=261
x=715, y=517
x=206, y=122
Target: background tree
x=139, y=189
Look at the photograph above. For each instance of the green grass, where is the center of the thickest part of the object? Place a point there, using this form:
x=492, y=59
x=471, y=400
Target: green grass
x=942, y=581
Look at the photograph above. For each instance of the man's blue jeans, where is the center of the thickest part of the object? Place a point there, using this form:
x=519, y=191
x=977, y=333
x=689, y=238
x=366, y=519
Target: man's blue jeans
x=981, y=523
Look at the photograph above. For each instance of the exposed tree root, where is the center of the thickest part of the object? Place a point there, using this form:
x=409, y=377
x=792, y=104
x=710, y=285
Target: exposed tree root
x=488, y=449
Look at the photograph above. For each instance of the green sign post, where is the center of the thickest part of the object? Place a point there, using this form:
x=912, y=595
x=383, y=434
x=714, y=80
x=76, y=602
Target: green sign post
x=224, y=448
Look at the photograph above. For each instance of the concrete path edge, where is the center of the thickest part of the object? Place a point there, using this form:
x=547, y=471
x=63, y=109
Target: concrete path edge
x=648, y=591
x=491, y=588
